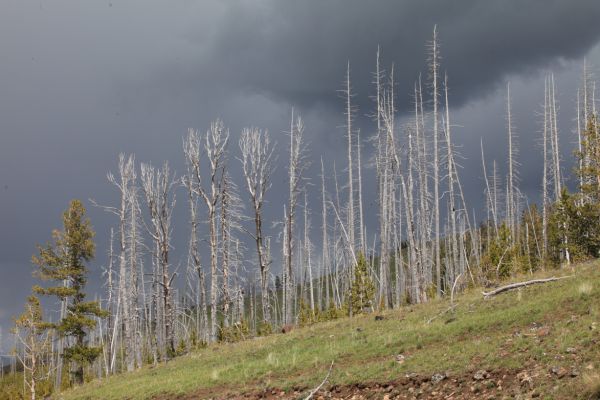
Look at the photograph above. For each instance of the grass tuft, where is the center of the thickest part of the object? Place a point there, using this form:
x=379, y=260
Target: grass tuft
x=585, y=288
x=591, y=383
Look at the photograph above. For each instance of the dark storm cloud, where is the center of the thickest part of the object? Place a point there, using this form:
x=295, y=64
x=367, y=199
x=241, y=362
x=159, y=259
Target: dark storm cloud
x=297, y=51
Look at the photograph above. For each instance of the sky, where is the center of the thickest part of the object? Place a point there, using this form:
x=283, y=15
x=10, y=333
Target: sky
x=81, y=82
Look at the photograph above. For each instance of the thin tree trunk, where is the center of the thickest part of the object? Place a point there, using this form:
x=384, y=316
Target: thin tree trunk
x=436, y=164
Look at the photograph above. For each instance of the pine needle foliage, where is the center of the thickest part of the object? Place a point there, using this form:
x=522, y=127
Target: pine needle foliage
x=64, y=262
x=362, y=291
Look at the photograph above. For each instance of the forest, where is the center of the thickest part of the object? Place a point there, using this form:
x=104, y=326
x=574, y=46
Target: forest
x=240, y=281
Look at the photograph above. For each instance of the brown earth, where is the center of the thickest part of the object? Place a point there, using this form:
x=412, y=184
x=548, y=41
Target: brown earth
x=502, y=384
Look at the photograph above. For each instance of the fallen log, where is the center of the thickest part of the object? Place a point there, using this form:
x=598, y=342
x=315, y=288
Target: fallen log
x=521, y=284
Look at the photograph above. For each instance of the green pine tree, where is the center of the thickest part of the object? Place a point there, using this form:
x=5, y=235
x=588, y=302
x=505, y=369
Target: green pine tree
x=574, y=229
x=362, y=291
x=589, y=167
x=530, y=240
x=65, y=261
x=498, y=261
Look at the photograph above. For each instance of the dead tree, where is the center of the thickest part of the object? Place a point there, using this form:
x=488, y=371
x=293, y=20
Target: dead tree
x=194, y=266
x=297, y=165
x=517, y=285
x=33, y=339
x=434, y=65
x=422, y=166
x=215, y=145
x=127, y=213
x=349, y=112
x=134, y=246
x=512, y=209
x=556, y=176
x=545, y=200
x=231, y=206
x=109, y=272
x=452, y=211
x=157, y=185
x=361, y=226
x=257, y=164
x=325, y=239
x=307, y=254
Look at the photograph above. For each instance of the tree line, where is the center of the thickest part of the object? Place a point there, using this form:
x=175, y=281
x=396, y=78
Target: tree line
x=428, y=241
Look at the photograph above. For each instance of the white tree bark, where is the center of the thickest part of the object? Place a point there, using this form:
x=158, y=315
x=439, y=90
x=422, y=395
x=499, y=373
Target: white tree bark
x=257, y=162
x=436, y=163
x=215, y=145
x=157, y=185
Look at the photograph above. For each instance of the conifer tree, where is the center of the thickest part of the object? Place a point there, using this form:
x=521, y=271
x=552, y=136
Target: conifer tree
x=64, y=262
x=362, y=291
x=589, y=172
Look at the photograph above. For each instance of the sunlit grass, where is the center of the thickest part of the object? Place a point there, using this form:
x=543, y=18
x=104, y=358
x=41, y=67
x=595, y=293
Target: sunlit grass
x=493, y=333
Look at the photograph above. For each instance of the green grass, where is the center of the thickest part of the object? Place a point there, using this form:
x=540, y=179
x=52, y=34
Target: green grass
x=488, y=334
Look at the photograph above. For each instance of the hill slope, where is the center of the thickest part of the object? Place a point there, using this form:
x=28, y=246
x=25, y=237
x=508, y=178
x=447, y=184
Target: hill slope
x=542, y=340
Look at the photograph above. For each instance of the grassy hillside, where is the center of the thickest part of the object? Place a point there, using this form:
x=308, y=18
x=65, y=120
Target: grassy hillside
x=542, y=340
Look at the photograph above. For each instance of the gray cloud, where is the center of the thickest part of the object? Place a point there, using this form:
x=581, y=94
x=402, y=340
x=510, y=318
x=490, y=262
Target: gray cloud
x=297, y=51
x=81, y=82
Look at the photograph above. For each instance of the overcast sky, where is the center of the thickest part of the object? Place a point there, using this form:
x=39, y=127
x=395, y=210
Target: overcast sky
x=81, y=82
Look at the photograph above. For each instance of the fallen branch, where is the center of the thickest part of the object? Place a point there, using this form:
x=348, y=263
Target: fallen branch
x=452, y=305
x=452, y=292
x=310, y=395
x=449, y=309
x=521, y=284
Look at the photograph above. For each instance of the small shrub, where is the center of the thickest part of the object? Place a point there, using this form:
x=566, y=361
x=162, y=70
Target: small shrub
x=234, y=333
x=264, y=329
x=306, y=316
x=181, y=348
x=332, y=312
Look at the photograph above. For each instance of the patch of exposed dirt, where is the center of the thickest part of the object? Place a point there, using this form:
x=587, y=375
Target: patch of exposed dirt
x=480, y=384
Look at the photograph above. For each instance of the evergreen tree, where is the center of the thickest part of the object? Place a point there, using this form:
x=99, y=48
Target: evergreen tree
x=574, y=225
x=499, y=258
x=574, y=229
x=362, y=290
x=64, y=262
x=589, y=170
x=530, y=241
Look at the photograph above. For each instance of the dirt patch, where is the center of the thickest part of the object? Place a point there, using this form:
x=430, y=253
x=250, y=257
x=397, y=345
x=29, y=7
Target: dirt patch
x=481, y=384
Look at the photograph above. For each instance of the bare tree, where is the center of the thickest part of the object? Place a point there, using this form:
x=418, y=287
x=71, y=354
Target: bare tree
x=194, y=266
x=545, y=201
x=109, y=272
x=434, y=65
x=134, y=246
x=129, y=242
x=157, y=185
x=511, y=192
x=556, y=176
x=347, y=92
x=325, y=239
x=215, y=145
x=231, y=206
x=361, y=225
x=297, y=165
x=307, y=254
x=452, y=212
x=31, y=333
x=257, y=164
